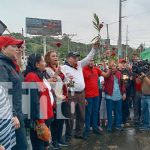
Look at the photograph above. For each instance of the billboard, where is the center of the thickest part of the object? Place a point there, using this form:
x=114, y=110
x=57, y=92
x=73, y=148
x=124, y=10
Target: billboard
x=46, y=27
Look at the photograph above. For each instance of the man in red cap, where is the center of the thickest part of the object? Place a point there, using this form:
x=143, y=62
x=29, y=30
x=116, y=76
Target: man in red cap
x=127, y=79
x=8, y=56
x=121, y=60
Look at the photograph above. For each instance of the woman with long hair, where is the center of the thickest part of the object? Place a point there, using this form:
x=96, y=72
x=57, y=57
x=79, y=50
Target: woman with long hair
x=53, y=69
x=41, y=98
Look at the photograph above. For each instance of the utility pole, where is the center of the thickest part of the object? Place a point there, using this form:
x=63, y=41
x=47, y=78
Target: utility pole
x=107, y=31
x=70, y=36
x=108, y=40
x=44, y=44
x=120, y=29
x=24, y=46
x=126, y=43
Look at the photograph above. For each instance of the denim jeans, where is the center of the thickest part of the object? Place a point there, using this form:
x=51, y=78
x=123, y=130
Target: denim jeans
x=37, y=144
x=100, y=99
x=125, y=110
x=21, y=140
x=92, y=109
x=57, y=129
x=145, y=109
x=117, y=107
x=137, y=107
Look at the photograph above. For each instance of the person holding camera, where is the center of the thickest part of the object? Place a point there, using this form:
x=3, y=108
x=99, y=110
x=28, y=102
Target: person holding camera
x=137, y=100
x=145, y=78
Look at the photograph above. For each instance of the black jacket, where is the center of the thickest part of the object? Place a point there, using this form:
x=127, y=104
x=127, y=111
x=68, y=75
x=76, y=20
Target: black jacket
x=9, y=74
x=128, y=83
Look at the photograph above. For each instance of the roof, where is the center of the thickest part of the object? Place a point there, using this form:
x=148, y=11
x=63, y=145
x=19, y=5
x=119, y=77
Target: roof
x=146, y=54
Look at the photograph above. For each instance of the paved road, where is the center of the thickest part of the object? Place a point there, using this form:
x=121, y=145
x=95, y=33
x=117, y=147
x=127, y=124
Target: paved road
x=129, y=139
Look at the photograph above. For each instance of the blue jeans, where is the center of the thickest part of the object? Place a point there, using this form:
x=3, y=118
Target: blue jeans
x=137, y=107
x=100, y=99
x=92, y=109
x=145, y=109
x=21, y=139
x=125, y=110
x=117, y=107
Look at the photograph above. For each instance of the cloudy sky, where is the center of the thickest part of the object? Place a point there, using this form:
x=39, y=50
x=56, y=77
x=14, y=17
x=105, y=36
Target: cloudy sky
x=76, y=16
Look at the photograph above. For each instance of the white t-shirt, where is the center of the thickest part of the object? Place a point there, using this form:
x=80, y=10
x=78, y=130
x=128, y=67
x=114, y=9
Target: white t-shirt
x=77, y=74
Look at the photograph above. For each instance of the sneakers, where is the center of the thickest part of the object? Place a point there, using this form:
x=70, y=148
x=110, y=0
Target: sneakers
x=127, y=124
x=106, y=123
x=109, y=130
x=122, y=125
x=63, y=144
x=55, y=145
x=85, y=134
x=143, y=128
x=101, y=129
x=78, y=137
x=119, y=129
x=136, y=124
x=68, y=139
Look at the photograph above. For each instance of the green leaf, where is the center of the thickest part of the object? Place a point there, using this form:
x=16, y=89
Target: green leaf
x=96, y=28
x=95, y=38
x=95, y=25
x=96, y=18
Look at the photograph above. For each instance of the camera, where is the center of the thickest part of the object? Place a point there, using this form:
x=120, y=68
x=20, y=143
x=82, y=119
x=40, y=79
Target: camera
x=141, y=66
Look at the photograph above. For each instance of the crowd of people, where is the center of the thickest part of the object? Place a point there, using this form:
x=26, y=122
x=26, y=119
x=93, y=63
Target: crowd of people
x=66, y=101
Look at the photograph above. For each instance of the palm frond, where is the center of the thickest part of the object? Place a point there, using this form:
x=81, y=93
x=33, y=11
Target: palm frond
x=96, y=28
x=95, y=24
x=96, y=18
x=95, y=38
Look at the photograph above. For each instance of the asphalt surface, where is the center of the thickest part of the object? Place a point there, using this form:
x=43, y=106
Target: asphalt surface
x=128, y=139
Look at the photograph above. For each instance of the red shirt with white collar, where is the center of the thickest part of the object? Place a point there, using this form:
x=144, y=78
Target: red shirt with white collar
x=91, y=76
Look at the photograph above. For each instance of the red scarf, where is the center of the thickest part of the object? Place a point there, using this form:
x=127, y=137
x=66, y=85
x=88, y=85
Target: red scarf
x=17, y=67
x=62, y=76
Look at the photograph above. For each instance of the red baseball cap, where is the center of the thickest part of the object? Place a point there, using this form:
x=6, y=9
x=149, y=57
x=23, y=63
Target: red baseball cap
x=8, y=40
x=121, y=60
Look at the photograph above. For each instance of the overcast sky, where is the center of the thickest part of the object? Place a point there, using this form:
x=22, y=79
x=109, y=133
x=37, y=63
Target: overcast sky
x=77, y=15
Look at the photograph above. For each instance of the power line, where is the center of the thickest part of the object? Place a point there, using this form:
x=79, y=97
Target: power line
x=129, y=16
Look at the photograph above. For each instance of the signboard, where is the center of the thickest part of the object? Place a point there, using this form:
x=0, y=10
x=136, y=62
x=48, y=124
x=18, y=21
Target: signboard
x=46, y=27
x=3, y=27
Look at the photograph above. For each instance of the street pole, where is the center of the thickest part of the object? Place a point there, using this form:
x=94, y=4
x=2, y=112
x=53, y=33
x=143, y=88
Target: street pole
x=24, y=55
x=108, y=43
x=69, y=38
x=68, y=45
x=44, y=44
x=107, y=31
x=126, y=43
x=120, y=30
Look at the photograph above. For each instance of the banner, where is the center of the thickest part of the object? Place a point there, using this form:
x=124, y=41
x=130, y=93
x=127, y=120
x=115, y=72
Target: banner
x=45, y=27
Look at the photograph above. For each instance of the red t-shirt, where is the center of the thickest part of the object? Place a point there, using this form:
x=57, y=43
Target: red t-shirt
x=91, y=81
x=138, y=86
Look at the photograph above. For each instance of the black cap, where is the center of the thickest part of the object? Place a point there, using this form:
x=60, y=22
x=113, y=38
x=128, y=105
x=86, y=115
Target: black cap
x=73, y=54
